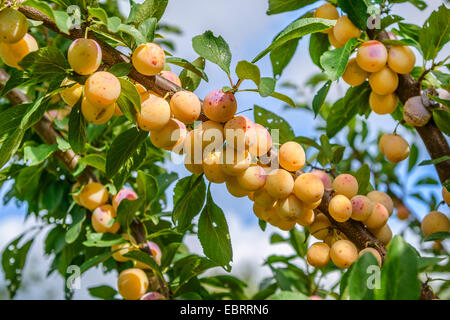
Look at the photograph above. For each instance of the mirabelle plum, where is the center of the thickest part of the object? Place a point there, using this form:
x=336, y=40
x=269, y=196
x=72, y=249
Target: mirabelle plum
x=289, y=208
x=322, y=175
x=171, y=135
x=185, y=106
x=383, y=198
x=306, y=217
x=220, y=106
x=101, y=219
x=308, y=188
x=384, y=234
x=279, y=183
x=93, y=195
x=121, y=195
x=148, y=59
x=362, y=208
x=415, y=113
x=212, y=135
x=132, y=284
x=212, y=168
x=340, y=208
x=286, y=225
x=346, y=184
x=353, y=74
x=263, y=198
x=102, y=89
x=334, y=41
x=14, y=25
x=171, y=76
x=378, y=218
x=263, y=213
x=384, y=81
x=251, y=196
x=291, y=156
x=72, y=94
x=401, y=59
x=343, y=253
x=95, y=114
x=395, y=148
x=75, y=193
x=153, y=296
x=240, y=133
x=192, y=165
x=234, y=162
x=193, y=143
x=320, y=227
x=383, y=104
x=13, y=53
x=372, y=251
x=403, y=212
x=330, y=239
x=326, y=11
x=435, y=222
x=84, y=56
x=234, y=187
x=383, y=140
x=156, y=255
x=344, y=30
x=252, y=178
x=318, y=255
x=140, y=88
x=446, y=196
x=263, y=141
x=122, y=249
x=372, y=56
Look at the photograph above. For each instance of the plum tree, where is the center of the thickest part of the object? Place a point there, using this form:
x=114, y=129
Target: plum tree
x=384, y=234
x=345, y=184
x=289, y=208
x=148, y=59
x=291, y=156
x=234, y=162
x=212, y=168
x=344, y=30
x=362, y=208
x=72, y=93
x=95, y=114
x=415, y=113
x=353, y=74
x=401, y=59
x=433, y=222
x=102, y=217
x=372, y=251
x=171, y=76
x=122, y=195
x=308, y=188
x=220, y=106
x=340, y=208
x=327, y=11
x=84, y=56
x=132, y=283
x=14, y=25
x=252, y=178
x=102, y=89
x=93, y=195
x=185, y=106
x=263, y=198
x=154, y=114
x=318, y=254
x=279, y=183
x=343, y=253
x=320, y=228
x=240, y=133
x=13, y=53
x=384, y=81
x=383, y=104
x=171, y=136
x=234, y=188
x=263, y=141
x=372, y=56
x=383, y=198
x=446, y=196
x=378, y=218
x=395, y=148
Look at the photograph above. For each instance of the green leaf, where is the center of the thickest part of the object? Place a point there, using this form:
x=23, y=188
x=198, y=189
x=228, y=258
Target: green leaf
x=188, y=66
x=298, y=241
x=435, y=33
x=426, y=262
x=442, y=119
x=16, y=78
x=214, y=49
x=283, y=98
x=246, y=70
x=121, y=69
x=318, y=45
x=127, y=211
x=146, y=259
x=434, y=161
x=129, y=90
x=147, y=187
x=128, y=108
x=103, y=292
x=271, y=122
x=100, y=14
x=78, y=218
x=63, y=21
x=133, y=32
x=363, y=178
x=37, y=155
x=191, y=266
x=281, y=56
x=279, y=6
x=335, y=61
x=148, y=28
x=356, y=11
x=188, y=199
x=103, y=240
x=190, y=80
x=362, y=275
x=92, y=262
x=297, y=30
x=46, y=64
x=399, y=276
x=267, y=87
x=148, y=9
x=319, y=98
x=413, y=157
x=122, y=148
x=214, y=235
x=95, y=161
x=114, y=24
x=77, y=128
x=288, y=295
x=437, y=236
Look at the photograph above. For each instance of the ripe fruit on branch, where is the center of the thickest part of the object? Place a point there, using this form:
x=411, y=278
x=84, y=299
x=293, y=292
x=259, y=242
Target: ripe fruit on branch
x=372, y=251
x=333, y=40
x=383, y=104
x=308, y=188
x=446, y=196
x=289, y=208
x=383, y=198
x=340, y=208
x=72, y=94
x=102, y=89
x=401, y=59
x=171, y=76
x=415, y=113
x=384, y=81
x=362, y=208
x=212, y=168
x=101, y=219
x=326, y=11
x=95, y=114
x=372, y=56
x=234, y=188
x=279, y=183
x=263, y=198
x=264, y=213
x=84, y=56
x=343, y=253
x=344, y=30
x=318, y=255
x=394, y=147
x=434, y=222
x=403, y=212
x=122, y=249
x=155, y=113
x=220, y=106
x=345, y=184
x=234, y=162
x=353, y=74
x=93, y=195
x=13, y=26
x=384, y=234
x=252, y=178
x=240, y=133
x=171, y=136
x=13, y=53
x=156, y=255
x=185, y=106
x=149, y=59
x=306, y=217
x=378, y=218
x=291, y=156
x=122, y=195
x=320, y=227
x=132, y=284
x=192, y=164
x=263, y=141
x=153, y=296
x=322, y=175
